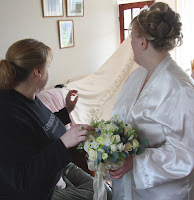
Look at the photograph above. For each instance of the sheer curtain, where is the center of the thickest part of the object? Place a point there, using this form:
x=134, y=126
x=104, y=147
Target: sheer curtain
x=185, y=53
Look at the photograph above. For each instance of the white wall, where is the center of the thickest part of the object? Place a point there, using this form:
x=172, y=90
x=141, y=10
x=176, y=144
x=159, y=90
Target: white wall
x=96, y=35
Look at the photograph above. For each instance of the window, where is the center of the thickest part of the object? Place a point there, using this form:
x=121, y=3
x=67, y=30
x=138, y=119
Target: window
x=126, y=13
x=184, y=53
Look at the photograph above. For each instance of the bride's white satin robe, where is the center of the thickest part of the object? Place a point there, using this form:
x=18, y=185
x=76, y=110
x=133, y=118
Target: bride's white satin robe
x=163, y=113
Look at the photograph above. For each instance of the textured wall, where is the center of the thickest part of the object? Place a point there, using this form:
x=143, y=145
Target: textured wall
x=96, y=35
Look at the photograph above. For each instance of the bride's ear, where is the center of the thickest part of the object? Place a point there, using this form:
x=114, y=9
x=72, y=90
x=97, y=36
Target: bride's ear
x=144, y=43
x=37, y=72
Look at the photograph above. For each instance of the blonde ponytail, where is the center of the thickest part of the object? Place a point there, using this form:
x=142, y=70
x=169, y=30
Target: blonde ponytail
x=7, y=75
x=21, y=59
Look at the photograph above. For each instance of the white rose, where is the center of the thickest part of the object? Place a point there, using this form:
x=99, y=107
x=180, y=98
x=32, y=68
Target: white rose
x=131, y=137
x=107, y=141
x=87, y=145
x=135, y=144
x=92, y=154
x=127, y=128
x=104, y=156
x=100, y=140
x=117, y=137
x=128, y=146
x=121, y=146
x=94, y=145
x=91, y=137
x=113, y=147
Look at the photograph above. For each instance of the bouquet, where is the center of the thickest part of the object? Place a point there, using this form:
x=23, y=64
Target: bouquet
x=108, y=147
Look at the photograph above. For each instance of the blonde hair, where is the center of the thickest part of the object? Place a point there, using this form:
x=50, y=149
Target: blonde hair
x=160, y=25
x=21, y=58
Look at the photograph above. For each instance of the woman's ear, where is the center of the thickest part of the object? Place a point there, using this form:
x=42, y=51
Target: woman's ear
x=144, y=43
x=37, y=72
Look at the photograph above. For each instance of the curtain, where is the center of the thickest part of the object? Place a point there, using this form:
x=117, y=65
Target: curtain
x=185, y=53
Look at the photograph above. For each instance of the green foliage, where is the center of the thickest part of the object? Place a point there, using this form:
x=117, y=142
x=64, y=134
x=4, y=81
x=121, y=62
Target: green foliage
x=115, y=141
x=132, y=132
x=121, y=156
x=145, y=143
x=114, y=157
x=140, y=150
x=96, y=162
x=99, y=157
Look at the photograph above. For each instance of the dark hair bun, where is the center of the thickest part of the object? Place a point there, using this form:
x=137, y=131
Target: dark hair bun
x=162, y=24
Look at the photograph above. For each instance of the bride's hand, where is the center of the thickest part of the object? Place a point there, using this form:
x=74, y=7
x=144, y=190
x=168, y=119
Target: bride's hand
x=128, y=165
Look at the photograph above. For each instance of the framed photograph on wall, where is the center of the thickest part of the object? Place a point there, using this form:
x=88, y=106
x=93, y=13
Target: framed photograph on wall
x=52, y=8
x=75, y=8
x=66, y=33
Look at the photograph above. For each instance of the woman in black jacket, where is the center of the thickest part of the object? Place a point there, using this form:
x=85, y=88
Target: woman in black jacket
x=33, y=146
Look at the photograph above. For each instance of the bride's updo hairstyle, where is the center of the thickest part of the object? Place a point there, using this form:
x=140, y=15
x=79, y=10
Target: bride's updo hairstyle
x=21, y=59
x=160, y=25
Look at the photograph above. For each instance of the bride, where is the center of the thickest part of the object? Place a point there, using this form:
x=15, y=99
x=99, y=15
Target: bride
x=157, y=99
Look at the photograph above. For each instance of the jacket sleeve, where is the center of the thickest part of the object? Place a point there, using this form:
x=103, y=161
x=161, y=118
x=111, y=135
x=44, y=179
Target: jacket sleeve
x=63, y=115
x=26, y=166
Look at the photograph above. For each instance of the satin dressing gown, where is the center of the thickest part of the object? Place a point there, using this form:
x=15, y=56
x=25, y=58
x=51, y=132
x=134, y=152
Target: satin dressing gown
x=164, y=113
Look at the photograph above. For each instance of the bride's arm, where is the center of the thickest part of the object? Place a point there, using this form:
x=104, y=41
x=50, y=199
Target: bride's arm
x=174, y=159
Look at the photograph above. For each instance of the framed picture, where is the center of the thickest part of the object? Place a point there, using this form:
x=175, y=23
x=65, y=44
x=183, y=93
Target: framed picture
x=52, y=8
x=66, y=33
x=75, y=8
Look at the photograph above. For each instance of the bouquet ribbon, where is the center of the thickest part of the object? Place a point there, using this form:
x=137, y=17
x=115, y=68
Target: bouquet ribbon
x=101, y=172
x=98, y=185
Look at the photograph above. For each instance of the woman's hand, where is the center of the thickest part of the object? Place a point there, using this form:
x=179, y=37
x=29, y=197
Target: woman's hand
x=75, y=135
x=70, y=105
x=128, y=165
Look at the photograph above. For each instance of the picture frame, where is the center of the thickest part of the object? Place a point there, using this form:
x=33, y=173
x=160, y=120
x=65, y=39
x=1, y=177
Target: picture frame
x=66, y=33
x=52, y=8
x=75, y=8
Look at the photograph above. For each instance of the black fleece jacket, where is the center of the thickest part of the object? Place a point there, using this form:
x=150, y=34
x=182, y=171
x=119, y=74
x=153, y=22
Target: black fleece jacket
x=31, y=153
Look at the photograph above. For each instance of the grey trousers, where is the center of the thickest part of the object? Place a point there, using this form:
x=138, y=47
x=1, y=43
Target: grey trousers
x=79, y=185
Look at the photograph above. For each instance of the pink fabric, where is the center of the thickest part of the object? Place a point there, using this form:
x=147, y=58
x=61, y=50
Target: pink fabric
x=53, y=99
